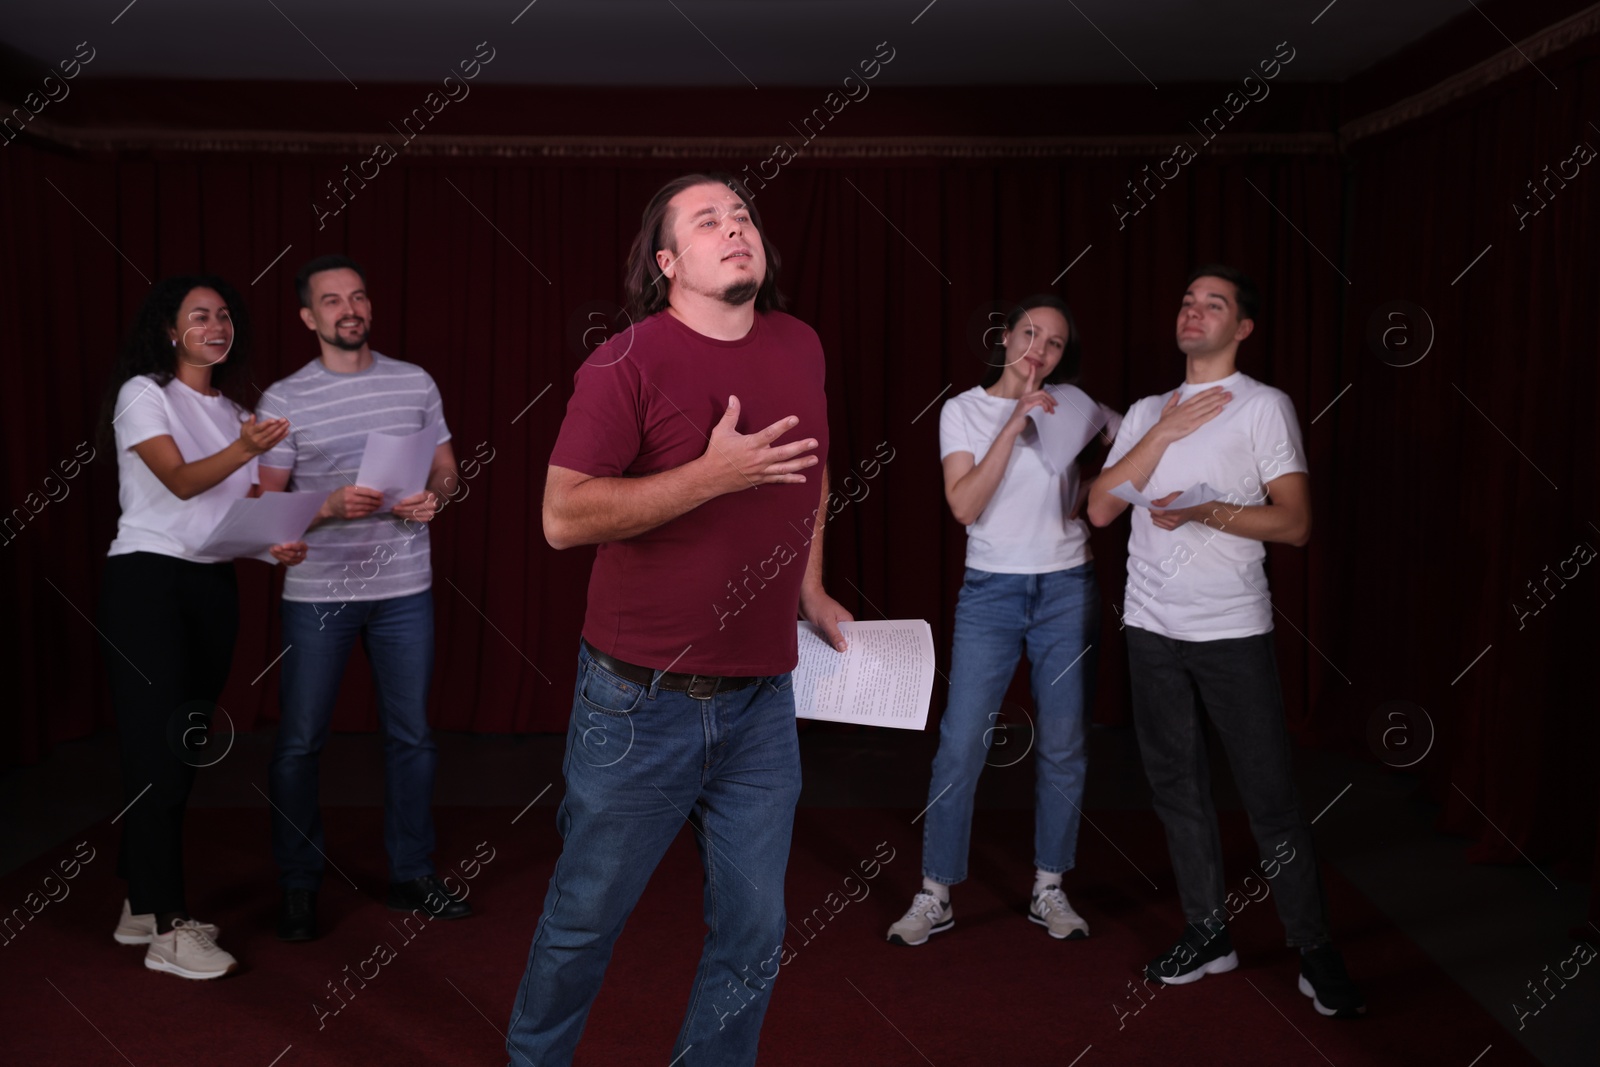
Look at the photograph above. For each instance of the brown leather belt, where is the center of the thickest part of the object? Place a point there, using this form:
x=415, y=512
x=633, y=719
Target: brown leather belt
x=698, y=686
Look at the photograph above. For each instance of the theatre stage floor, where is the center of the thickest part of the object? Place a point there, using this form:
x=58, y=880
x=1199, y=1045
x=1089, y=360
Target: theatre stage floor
x=1488, y=928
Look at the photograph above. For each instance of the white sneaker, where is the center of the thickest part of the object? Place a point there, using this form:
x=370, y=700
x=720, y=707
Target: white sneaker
x=187, y=950
x=139, y=929
x=928, y=915
x=1051, y=911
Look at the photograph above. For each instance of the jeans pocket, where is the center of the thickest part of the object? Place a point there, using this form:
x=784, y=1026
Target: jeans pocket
x=780, y=683
x=604, y=692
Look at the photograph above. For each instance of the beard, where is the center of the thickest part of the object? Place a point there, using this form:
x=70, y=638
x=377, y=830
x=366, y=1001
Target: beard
x=338, y=341
x=740, y=293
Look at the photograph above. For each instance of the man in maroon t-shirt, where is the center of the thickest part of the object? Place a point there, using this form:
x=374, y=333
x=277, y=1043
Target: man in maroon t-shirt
x=687, y=456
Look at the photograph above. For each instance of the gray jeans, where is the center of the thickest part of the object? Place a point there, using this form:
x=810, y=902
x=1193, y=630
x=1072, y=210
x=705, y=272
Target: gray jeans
x=1236, y=683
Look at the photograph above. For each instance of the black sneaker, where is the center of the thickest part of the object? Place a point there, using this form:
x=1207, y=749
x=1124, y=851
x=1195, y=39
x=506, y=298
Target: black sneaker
x=427, y=894
x=297, y=915
x=1324, y=979
x=1192, y=958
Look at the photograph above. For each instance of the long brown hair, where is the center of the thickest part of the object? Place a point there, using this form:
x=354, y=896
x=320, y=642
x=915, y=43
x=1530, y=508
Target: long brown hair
x=646, y=286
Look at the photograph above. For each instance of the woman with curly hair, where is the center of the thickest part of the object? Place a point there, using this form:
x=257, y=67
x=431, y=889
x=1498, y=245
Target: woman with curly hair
x=186, y=449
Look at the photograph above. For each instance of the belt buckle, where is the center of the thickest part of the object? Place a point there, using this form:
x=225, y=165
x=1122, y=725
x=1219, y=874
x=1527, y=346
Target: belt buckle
x=702, y=687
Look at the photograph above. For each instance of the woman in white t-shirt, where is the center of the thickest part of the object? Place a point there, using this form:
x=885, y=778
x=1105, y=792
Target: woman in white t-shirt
x=186, y=449
x=1029, y=586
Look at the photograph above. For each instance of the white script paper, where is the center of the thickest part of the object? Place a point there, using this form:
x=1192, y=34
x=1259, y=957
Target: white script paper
x=254, y=524
x=1198, y=494
x=885, y=679
x=1062, y=435
x=397, y=466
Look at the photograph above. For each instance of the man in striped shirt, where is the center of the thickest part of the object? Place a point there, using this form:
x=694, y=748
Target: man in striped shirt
x=367, y=576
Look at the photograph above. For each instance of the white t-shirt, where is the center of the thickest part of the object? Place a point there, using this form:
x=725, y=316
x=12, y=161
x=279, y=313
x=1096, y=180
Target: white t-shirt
x=153, y=519
x=1025, y=528
x=1196, y=583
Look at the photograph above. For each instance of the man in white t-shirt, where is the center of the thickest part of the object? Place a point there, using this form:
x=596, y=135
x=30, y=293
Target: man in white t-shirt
x=1198, y=621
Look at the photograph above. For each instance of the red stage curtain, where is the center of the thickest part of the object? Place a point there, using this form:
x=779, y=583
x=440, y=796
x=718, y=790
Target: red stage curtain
x=895, y=305
x=1460, y=479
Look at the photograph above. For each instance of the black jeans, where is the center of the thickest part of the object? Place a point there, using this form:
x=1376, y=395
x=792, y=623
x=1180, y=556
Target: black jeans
x=1236, y=681
x=169, y=627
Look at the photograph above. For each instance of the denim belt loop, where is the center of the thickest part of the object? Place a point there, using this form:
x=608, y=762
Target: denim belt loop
x=655, y=679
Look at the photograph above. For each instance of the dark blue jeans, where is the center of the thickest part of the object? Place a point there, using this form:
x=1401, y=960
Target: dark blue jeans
x=1237, y=683
x=397, y=635
x=640, y=763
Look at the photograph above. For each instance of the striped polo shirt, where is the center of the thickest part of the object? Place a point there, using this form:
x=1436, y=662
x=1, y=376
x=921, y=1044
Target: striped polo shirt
x=330, y=415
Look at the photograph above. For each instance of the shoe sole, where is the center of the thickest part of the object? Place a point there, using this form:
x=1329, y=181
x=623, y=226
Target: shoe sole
x=1322, y=1009
x=1220, y=965
x=896, y=939
x=183, y=972
x=1076, y=935
x=431, y=914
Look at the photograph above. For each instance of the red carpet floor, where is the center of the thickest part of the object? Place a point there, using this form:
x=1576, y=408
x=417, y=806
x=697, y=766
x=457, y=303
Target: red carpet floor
x=995, y=990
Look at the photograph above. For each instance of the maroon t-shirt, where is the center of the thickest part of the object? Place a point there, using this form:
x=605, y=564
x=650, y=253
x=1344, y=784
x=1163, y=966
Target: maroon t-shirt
x=716, y=590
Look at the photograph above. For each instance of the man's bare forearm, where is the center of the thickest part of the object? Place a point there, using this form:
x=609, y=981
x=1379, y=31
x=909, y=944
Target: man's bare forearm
x=1260, y=522
x=1134, y=467
x=813, y=575
x=442, y=481
x=595, y=510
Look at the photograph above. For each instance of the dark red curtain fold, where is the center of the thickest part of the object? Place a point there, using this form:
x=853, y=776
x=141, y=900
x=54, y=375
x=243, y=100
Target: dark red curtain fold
x=1464, y=476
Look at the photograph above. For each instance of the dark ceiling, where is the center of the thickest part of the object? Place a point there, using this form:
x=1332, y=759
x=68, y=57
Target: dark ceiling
x=727, y=42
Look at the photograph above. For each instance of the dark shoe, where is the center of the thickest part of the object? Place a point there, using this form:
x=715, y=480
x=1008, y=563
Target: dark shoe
x=1192, y=958
x=1324, y=979
x=427, y=894
x=297, y=915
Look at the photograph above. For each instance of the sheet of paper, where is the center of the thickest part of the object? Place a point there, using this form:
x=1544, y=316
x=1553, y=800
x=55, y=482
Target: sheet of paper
x=398, y=466
x=253, y=525
x=1063, y=434
x=1196, y=494
x=885, y=679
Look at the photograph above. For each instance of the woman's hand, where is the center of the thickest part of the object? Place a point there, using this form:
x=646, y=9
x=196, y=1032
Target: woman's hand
x=258, y=437
x=1032, y=397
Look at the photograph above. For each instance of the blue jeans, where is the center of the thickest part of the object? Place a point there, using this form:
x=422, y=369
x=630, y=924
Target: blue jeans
x=640, y=762
x=997, y=617
x=397, y=635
